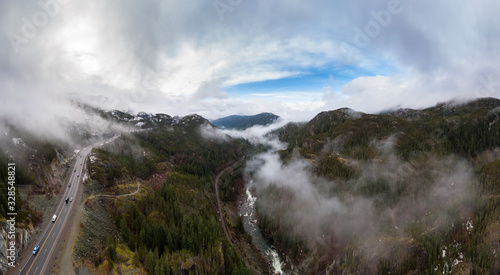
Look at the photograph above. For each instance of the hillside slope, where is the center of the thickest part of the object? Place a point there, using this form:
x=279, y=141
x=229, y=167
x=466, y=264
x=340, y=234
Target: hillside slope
x=244, y=122
x=406, y=191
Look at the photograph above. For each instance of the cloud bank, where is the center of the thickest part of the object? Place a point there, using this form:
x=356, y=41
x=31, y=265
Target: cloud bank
x=386, y=197
x=244, y=57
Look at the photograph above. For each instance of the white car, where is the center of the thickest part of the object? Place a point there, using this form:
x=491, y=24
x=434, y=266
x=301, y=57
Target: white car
x=54, y=218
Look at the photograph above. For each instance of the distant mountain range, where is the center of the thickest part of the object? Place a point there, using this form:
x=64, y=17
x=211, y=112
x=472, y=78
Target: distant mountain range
x=243, y=122
x=145, y=120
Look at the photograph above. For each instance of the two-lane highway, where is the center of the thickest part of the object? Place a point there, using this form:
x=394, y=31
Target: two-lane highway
x=37, y=263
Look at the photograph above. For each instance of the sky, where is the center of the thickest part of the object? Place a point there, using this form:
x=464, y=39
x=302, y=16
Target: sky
x=223, y=57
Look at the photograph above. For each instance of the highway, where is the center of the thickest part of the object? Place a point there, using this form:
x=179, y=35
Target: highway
x=37, y=264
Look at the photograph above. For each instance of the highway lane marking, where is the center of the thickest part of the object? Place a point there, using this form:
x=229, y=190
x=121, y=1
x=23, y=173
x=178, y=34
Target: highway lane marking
x=41, y=247
x=71, y=180
x=63, y=222
x=30, y=259
x=86, y=151
x=33, y=259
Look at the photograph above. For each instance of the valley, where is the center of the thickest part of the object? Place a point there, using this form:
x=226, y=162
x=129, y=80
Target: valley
x=241, y=137
x=403, y=191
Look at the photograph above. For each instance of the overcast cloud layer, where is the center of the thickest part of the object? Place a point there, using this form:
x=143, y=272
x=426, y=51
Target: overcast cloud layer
x=222, y=57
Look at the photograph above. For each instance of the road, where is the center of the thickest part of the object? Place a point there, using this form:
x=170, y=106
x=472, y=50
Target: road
x=37, y=264
x=220, y=216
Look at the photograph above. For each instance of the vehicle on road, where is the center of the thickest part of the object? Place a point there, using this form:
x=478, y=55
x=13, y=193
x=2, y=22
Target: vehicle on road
x=71, y=199
x=77, y=175
x=54, y=218
x=75, y=170
x=69, y=185
x=67, y=199
x=35, y=250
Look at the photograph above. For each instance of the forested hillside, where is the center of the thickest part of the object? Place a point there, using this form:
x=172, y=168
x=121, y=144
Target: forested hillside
x=407, y=191
x=170, y=226
x=244, y=122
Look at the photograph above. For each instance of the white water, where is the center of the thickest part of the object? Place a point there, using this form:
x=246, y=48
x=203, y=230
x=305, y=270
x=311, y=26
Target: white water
x=247, y=210
x=276, y=262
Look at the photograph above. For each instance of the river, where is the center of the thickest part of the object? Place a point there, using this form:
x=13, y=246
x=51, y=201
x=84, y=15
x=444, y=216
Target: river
x=247, y=211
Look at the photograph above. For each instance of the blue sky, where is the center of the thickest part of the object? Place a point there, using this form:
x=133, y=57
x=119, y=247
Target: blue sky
x=307, y=80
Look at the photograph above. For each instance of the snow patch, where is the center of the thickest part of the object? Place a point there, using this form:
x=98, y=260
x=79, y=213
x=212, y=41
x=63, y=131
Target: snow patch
x=85, y=177
x=17, y=141
x=459, y=260
x=469, y=226
x=446, y=268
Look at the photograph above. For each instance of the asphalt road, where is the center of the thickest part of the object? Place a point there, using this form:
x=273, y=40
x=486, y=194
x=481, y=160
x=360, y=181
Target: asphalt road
x=37, y=264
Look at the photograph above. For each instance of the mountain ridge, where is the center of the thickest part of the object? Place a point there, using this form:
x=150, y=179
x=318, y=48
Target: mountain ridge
x=335, y=144
x=239, y=122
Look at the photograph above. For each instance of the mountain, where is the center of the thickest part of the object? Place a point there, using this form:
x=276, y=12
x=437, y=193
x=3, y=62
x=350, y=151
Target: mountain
x=429, y=179
x=143, y=120
x=448, y=109
x=462, y=128
x=243, y=122
x=405, y=191
x=170, y=226
x=42, y=163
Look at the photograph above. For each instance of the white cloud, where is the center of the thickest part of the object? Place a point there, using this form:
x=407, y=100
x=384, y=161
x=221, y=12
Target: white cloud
x=161, y=55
